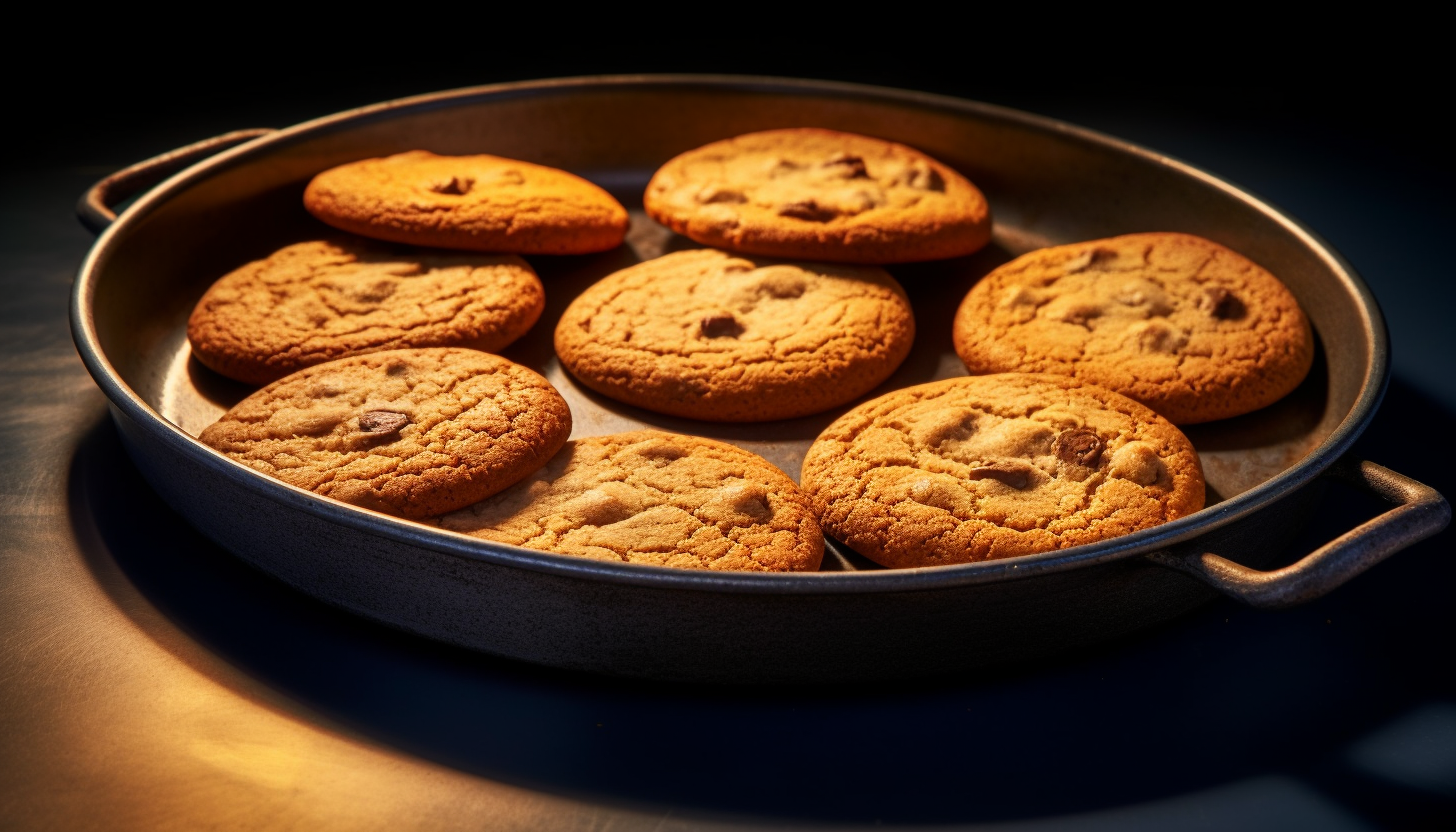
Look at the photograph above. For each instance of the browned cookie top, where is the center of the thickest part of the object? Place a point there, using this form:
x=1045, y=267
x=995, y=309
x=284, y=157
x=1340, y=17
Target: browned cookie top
x=480, y=203
x=820, y=195
x=710, y=335
x=655, y=498
x=408, y=432
x=316, y=301
x=971, y=469
x=1193, y=330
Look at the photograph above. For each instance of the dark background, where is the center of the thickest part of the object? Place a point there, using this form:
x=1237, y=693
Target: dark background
x=1315, y=118
x=1340, y=714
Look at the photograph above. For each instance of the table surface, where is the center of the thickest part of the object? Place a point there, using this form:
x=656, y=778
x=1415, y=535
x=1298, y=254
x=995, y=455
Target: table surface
x=149, y=680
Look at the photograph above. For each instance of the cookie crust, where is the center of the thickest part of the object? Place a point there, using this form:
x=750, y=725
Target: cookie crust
x=655, y=498
x=985, y=467
x=1182, y=324
x=815, y=194
x=709, y=335
x=414, y=433
x=478, y=203
x=321, y=300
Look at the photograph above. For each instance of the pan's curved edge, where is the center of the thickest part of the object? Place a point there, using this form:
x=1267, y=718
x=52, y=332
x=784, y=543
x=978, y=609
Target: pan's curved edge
x=1220, y=515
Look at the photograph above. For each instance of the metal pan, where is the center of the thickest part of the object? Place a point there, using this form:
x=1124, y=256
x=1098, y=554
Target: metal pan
x=239, y=198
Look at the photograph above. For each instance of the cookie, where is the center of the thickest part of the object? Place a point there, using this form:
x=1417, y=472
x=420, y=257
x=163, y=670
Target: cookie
x=710, y=335
x=414, y=433
x=1191, y=329
x=479, y=203
x=317, y=301
x=655, y=498
x=820, y=195
x=971, y=469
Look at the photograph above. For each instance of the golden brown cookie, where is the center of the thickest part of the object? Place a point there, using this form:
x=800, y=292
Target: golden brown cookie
x=317, y=301
x=710, y=335
x=655, y=498
x=820, y=195
x=972, y=469
x=408, y=432
x=1189, y=328
x=479, y=203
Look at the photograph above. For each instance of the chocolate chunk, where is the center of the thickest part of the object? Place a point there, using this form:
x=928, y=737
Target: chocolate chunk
x=721, y=325
x=926, y=179
x=381, y=422
x=1088, y=258
x=1079, y=446
x=457, y=186
x=807, y=209
x=1220, y=303
x=713, y=194
x=850, y=167
x=1015, y=474
x=782, y=166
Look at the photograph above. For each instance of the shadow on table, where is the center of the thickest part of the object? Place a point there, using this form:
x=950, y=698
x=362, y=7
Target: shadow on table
x=1223, y=696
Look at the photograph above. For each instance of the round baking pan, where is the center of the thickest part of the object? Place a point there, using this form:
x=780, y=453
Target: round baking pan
x=238, y=197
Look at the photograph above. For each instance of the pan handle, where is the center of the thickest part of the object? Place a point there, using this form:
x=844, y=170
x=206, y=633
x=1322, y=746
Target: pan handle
x=94, y=207
x=1419, y=513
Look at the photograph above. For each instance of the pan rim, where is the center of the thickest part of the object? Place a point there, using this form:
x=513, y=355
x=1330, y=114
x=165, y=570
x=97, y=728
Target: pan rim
x=128, y=404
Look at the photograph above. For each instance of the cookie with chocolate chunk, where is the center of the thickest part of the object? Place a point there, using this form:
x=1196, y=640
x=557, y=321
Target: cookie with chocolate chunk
x=655, y=498
x=414, y=433
x=1184, y=325
x=710, y=335
x=320, y=300
x=820, y=195
x=479, y=203
x=996, y=466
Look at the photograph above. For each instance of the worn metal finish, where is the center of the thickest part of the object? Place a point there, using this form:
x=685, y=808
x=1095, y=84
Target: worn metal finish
x=1048, y=183
x=1420, y=513
x=95, y=208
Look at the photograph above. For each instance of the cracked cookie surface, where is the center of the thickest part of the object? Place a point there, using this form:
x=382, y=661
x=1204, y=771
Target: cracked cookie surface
x=479, y=203
x=655, y=498
x=1190, y=328
x=972, y=469
x=720, y=337
x=820, y=195
x=414, y=433
x=325, y=299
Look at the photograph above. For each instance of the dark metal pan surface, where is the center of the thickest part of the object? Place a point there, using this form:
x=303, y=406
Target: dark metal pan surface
x=1048, y=183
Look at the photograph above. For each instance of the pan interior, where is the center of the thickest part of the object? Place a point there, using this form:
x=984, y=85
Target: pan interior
x=1047, y=185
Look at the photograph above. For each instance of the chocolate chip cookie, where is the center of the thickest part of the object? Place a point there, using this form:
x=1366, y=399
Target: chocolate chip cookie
x=971, y=469
x=710, y=335
x=655, y=498
x=320, y=300
x=479, y=203
x=820, y=195
x=414, y=433
x=1184, y=325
